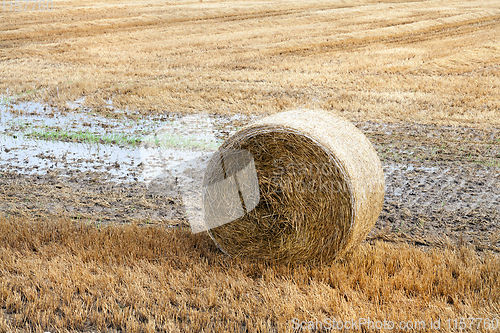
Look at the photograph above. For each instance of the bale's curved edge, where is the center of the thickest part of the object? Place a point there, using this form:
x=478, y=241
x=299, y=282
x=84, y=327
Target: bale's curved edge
x=353, y=157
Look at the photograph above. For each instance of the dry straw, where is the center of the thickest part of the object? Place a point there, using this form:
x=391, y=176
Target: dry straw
x=321, y=189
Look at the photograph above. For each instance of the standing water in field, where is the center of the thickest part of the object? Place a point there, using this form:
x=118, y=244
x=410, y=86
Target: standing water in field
x=168, y=154
x=37, y=141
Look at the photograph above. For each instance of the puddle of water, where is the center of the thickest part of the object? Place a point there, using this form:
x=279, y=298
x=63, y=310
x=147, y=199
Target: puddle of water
x=166, y=142
x=39, y=157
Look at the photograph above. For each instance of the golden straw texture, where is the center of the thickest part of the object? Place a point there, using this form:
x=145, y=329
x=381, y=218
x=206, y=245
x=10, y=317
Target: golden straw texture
x=321, y=189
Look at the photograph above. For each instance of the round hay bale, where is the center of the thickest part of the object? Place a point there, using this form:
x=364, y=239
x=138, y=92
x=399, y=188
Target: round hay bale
x=320, y=188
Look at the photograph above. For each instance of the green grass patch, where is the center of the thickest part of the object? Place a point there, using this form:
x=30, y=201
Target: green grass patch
x=121, y=139
x=163, y=140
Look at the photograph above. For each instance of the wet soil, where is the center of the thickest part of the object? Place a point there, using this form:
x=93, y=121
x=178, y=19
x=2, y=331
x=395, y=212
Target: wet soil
x=87, y=196
x=442, y=186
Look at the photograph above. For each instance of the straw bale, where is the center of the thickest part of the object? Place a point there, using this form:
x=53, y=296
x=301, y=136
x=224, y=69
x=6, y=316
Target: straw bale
x=320, y=188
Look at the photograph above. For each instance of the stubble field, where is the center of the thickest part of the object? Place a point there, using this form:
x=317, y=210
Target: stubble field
x=87, y=245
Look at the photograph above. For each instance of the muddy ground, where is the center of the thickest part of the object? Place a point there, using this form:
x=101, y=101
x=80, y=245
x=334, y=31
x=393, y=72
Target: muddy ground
x=442, y=186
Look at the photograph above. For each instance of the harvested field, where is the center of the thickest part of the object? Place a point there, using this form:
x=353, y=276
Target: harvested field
x=410, y=61
x=59, y=275
x=441, y=182
x=90, y=240
x=441, y=210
